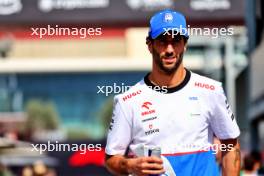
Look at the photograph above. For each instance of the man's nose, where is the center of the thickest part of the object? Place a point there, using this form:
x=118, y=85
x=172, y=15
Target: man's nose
x=170, y=48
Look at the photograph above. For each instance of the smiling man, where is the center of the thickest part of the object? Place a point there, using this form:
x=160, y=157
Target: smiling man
x=180, y=119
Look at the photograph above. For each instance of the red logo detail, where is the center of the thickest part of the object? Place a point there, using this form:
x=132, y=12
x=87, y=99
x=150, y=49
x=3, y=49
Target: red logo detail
x=203, y=85
x=146, y=105
x=131, y=95
x=148, y=112
x=150, y=126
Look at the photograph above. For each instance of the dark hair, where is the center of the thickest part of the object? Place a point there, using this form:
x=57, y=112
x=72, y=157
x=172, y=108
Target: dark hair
x=256, y=155
x=249, y=162
x=148, y=40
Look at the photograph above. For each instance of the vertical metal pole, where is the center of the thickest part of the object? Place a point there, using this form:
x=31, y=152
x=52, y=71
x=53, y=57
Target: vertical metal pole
x=230, y=72
x=251, y=26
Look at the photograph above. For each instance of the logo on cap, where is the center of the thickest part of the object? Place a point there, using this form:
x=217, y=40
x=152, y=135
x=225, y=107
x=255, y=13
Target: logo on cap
x=168, y=17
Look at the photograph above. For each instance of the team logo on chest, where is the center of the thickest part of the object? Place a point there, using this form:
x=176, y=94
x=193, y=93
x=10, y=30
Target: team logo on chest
x=148, y=118
x=147, y=108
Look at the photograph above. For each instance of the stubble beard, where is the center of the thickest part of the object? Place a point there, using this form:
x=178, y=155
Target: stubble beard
x=168, y=71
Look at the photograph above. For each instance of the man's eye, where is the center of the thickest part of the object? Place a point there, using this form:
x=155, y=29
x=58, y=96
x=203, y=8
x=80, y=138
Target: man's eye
x=177, y=39
x=162, y=41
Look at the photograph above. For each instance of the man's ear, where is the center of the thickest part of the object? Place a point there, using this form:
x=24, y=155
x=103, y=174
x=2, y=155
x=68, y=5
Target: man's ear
x=150, y=47
x=185, y=46
x=149, y=44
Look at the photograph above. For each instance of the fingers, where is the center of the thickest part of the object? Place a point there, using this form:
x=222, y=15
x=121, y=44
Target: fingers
x=152, y=159
x=151, y=165
x=144, y=166
x=154, y=172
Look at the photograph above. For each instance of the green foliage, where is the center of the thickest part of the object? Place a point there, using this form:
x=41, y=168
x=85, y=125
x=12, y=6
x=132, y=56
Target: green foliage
x=41, y=116
x=105, y=114
x=77, y=134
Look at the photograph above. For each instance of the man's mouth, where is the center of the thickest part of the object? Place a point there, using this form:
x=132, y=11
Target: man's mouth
x=169, y=59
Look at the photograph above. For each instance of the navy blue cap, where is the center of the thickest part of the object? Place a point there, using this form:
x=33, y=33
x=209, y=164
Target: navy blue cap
x=167, y=20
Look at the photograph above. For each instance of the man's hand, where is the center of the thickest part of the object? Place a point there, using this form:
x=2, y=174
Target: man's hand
x=143, y=166
x=140, y=166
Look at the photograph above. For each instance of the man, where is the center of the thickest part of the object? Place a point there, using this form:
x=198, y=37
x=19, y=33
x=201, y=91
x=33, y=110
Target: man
x=174, y=109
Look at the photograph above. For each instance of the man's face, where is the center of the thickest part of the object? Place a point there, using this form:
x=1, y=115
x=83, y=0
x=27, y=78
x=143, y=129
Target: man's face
x=167, y=52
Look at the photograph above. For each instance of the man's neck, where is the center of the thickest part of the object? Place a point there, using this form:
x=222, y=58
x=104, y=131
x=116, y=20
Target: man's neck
x=158, y=77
